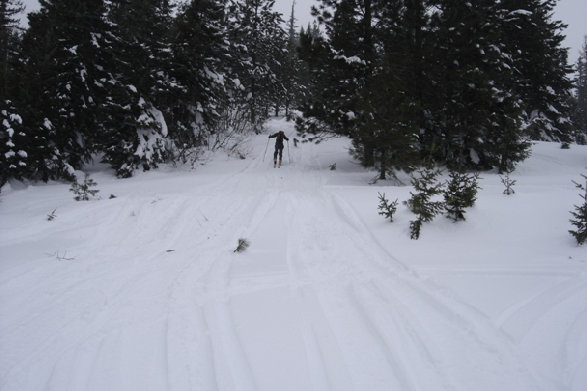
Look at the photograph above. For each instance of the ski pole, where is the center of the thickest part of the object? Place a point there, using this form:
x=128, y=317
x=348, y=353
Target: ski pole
x=288, y=155
x=265, y=149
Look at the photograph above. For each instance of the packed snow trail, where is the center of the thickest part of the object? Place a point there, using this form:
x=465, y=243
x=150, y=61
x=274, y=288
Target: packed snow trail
x=155, y=298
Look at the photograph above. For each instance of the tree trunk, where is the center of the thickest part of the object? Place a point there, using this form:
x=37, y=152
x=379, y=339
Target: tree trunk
x=383, y=165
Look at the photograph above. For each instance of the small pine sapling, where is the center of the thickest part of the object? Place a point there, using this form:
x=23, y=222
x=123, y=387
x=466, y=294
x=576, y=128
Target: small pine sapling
x=243, y=244
x=82, y=191
x=460, y=193
x=580, y=214
x=508, y=183
x=385, y=208
x=415, y=226
x=422, y=202
x=51, y=216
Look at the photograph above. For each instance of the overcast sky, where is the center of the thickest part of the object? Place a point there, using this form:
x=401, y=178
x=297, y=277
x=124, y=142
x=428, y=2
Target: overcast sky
x=571, y=12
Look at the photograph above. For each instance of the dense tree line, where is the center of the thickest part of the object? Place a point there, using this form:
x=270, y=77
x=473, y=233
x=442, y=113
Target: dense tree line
x=468, y=84
x=140, y=82
x=134, y=82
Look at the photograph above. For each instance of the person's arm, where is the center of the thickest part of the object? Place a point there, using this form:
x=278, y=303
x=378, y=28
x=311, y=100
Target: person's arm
x=285, y=137
x=273, y=135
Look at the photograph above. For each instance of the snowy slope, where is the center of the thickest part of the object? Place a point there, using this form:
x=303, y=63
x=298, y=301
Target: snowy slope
x=144, y=291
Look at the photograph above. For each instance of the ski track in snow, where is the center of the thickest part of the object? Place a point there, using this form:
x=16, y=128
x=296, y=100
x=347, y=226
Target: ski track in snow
x=156, y=299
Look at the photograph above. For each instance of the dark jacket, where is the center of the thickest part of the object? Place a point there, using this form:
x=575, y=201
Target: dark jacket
x=279, y=136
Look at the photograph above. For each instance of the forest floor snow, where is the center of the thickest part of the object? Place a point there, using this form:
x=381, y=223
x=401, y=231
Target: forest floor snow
x=145, y=292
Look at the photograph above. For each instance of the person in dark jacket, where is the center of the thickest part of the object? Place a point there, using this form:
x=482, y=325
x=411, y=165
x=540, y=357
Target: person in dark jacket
x=279, y=137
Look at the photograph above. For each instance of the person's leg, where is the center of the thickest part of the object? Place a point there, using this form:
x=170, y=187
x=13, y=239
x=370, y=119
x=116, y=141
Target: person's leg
x=275, y=156
x=280, y=155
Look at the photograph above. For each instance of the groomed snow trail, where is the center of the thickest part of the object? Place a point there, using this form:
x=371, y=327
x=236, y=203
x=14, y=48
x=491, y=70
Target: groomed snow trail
x=156, y=299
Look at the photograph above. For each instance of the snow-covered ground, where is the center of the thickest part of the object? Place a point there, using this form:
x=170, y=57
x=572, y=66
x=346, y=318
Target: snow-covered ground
x=145, y=292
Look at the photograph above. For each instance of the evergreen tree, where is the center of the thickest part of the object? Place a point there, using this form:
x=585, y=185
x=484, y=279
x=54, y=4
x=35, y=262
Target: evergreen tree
x=144, y=27
x=13, y=156
x=580, y=113
x=140, y=85
x=469, y=75
x=580, y=214
x=534, y=42
x=477, y=118
x=407, y=40
x=290, y=72
x=9, y=41
x=314, y=53
x=390, y=103
x=200, y=52
x=387, y=208
x=78, y=90
x=83, y=191
x=256, y=35
x=423, y=202
x=348, y=65
x=460, y=193
x=60, y=85
x=387, y=134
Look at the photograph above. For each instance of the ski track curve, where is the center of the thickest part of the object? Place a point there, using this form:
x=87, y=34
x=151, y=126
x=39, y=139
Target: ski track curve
x=106, y=317
x=316, y=303
x=358, y=267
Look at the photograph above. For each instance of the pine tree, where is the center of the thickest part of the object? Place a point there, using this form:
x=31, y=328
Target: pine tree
x=144, y=27
x=580, y=214
x=580, y=112
x=291, y=69
x=314, y=53
x=351, y=39
x=9, y=41
x=83, y=191
x=243, y=244
x=13, y=156
x=508, y=183
x=387, y=134
x=256, y=35
x=477, y=120
x=424, y=203
x=200, y=52
x=136, y=130
x=60, y=85
x=386, y=208
x=390, y=116
x=469, y=73
x=534, y=42
x=346, y=66
x=460, y=193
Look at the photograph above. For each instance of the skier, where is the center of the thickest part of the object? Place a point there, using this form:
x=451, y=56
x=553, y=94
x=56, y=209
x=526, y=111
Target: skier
x=279, y=136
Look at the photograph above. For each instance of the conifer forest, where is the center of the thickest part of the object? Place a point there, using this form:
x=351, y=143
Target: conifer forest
x=137, y=83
